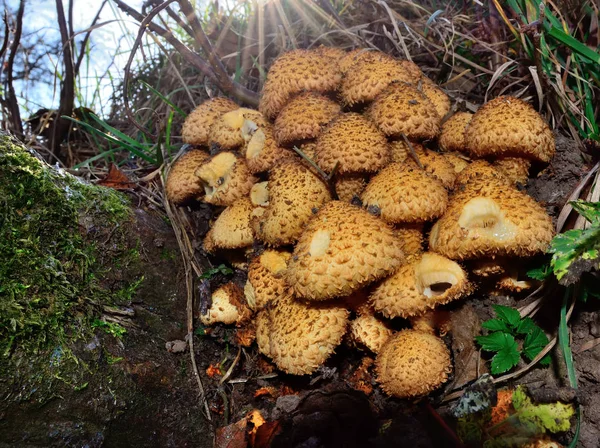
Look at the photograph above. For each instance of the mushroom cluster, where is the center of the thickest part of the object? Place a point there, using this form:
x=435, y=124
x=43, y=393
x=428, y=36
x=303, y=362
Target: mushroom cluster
x=330, y=191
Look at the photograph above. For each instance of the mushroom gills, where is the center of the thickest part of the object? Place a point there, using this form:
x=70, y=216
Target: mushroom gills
x=435, y=275
x=484, y=217
x=216, y=174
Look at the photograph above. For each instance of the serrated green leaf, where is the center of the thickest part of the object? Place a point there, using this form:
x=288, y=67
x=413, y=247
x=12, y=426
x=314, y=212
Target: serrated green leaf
x=496, y=341
x=509, y=315
x=571, y=245
x=506, y=358
x=534, y=343
x=221, y=269
x=541, y=418
x=527, y=325
x=541, y=273
x=495, y=325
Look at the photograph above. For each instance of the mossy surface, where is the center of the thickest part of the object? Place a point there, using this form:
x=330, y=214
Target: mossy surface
x=52, y=265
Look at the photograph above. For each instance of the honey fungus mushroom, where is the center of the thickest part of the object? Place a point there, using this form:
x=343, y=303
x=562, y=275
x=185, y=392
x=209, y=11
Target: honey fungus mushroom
x=261, y=150
x=300, y=336
x=421, y=285
x=403, y=194
x=295, y=72
x=197, y=124
x=295, y=193
x=228, y=306
x=489, y=221
x=225, y=179
x=182, y=184
x=342, y=249
x=412, y=364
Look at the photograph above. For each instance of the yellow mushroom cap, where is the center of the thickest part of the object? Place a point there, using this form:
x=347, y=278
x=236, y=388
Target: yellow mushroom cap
x=354, y=143
x=262, y=151
x=435, y=164
x=304, y=117
x=436, y=95
x=403, y=109
x=198, y=123
x=458, y=161
x=227, y=307
x=423, y=284
x=308, y=148
x=225, y=179
x=370, y=331
x=452, y=137
x=265, y=278
x=263, y=332
x=227, y=131
x=182, y=184
x=301, y=336
x=411, y=237
x=405, y=194
x=489, y=221
x=508, y=126
x=259, y=194
x=412, y=364
x=482, y=173
x=350, y=186
x=342, y=249
x=374, y=71
x=516, y=169
x=332, y=53
x=295, y=194
x=231, y=230
x=294, y=72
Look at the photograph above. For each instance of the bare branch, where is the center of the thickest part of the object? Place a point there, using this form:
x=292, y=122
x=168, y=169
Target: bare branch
x=11, y=97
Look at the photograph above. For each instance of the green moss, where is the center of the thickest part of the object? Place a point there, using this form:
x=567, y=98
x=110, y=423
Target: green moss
x=52, y=228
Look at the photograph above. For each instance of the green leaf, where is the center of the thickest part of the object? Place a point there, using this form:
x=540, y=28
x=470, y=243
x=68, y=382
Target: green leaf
x=534, y=343
x=541, y=273
x=575, y=45
x=589, y=210
x=221, y=269
x=506, y=358
x=527, y=325
x=496, y=341
x=572, y=245
x=509, y=315
x=495, y=325
x=541, y=418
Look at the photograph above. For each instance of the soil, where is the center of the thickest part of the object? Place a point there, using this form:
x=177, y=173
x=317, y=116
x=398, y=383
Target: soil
x=156, y=402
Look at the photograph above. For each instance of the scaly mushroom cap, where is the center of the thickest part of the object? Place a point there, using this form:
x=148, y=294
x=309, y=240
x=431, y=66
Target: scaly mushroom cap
x=403, y=109
x=489, y=221
x=482, y=173
x=514, y=168
x=332, y=53
x=295, y=193
x=435, y=164
x=263, y=330
x=301, y=336
x=509, y=127
x=404, y=194
x=412, y=364
x=352, y=57
x=510, y=282
x=437, y=96
x=227, y=307
x=354, y=143
x=452, y=137
x=231, y=230
x=197, y=124
x=294, y=72
x=304, y=117
x=225, y=179
x=182, y=183
x=342, y=249
x=458, y=161
x=265, y=278
x=262, y=151
x=370, y=331
x=411, y=237
x=419, y=286
x=400, y=150
x=227, y=130
x=308, y=148
x=375, y=71
x=350, y=186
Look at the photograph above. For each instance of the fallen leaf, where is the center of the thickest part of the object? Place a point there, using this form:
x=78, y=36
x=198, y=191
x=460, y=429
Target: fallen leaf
x=265, y=366
x=361, y=378
x=255, y=418
x=214, y=370
x=266, y=391
x=245, y=336
x=465, y=326
x=265, y=434
x=232, y=436
x=503, y=407
x=117, y=179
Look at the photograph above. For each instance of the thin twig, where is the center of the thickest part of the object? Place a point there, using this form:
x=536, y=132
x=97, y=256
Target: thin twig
x=231, y=367
x=11, y=97
x=327, y=178
x=412, y=151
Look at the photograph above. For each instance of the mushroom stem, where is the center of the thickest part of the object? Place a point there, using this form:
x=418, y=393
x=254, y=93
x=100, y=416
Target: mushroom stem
x=412, y=150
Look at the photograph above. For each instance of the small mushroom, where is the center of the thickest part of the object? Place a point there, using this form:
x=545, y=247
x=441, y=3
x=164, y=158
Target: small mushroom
x=232, y=228
x=265, y=278
x=350, y=186
x=412, y=364
x=227, y=132
x=182, y=184
x=516, y=169
x=225, y=179
x=262, y=151
x=370, y=331
x=452, y=137
x=227, y=307
x=436, y=95
x=197, y=124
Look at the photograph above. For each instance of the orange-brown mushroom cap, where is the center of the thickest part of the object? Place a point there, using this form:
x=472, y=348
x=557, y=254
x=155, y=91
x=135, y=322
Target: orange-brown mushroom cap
x=412, y=364
x=265, y=278
x=197, y=124
x=403, y=109
x=262, y=151
x=452, y=137
x=437, y=96
x=182, y=184
x=354, y=144
x=227, y=130
x=304, y=117
x=342, y=249
x=231, y=230
x=507, y=126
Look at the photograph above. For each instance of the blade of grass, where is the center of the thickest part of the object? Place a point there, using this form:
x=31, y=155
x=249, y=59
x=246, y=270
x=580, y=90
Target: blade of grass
x=164, y=98
x=118, y=134
x=575, y=45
